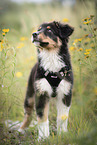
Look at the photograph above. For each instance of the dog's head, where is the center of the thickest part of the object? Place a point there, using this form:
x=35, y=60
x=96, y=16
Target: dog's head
x=51, y=35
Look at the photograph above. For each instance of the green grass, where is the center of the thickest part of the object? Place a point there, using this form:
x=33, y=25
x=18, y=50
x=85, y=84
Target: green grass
x=15, y=57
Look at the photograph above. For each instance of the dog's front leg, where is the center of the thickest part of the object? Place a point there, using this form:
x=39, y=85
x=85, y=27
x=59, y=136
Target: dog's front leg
x=42, y=107
x=62, y=118
x=63, y=105
x=43, y=92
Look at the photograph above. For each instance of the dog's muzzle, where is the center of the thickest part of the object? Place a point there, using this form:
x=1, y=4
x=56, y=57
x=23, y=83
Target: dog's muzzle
x=35, y=39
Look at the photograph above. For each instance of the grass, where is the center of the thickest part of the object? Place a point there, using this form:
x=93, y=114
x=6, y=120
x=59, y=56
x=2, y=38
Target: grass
x=18, y=55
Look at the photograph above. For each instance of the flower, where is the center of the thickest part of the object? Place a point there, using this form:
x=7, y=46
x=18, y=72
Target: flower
x=23, y=38
x=87, y=53
x=86, y=21
x=31, y=58
x=80, y=49
x=95, y=90
x=20, y=45
x=5, y=30
x=64, y=117
x=1, y=43
x=65, y=20
x=88, y=50
x=72, y=48
x=19, y=74
x=3, y=34
x=77, y=40
x=87, y=56
x=34, y=30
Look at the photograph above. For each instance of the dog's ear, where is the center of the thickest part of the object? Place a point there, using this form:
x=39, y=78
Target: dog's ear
x=65, y=31
x=56, y=24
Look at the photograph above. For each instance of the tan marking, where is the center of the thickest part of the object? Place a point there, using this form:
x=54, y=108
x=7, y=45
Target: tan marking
x=52, y=44
x=45, y=114
x=48, y=27
x=39, y=28
x=31, y=101
x=26, y=121
x=42, y=36
x=28, y=113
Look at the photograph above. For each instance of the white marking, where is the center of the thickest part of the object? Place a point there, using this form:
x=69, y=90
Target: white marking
x=62, y=109
x=37, y=44
x=42, y=85
x=32, y=39
x=63, y=88
x=62, y=116
x=43, y=129
x=50, y=60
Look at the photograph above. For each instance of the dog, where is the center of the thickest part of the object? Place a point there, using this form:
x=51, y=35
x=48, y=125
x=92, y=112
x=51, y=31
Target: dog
x=51, y=76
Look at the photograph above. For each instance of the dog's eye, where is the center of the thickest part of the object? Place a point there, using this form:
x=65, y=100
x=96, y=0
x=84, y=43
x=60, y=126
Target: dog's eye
x=49, y=29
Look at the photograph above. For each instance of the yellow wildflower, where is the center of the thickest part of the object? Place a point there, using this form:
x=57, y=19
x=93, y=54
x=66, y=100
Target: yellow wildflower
x=95, y=91
x=85, y=36
x=64, y=117
x=72, y=48
x=34, y=30
x=1, y=44
x=77, y=40
x=88, y=50
x=65, y=20
x=5, y=30
x=31, y=58
x=23, y=38
x=80, y=49
x=3, y=34
x=87, y=53
x=19, y=74
x=20, y=45
x=87, y=56
x=86, y=20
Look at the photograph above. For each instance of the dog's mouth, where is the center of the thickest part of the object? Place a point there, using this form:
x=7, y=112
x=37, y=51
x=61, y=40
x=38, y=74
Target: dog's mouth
x=38, y=42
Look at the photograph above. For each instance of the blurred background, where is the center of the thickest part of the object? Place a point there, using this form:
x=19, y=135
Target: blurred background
x=18, y=20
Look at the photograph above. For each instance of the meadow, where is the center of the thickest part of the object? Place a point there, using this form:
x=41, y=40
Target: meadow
x=18, y=55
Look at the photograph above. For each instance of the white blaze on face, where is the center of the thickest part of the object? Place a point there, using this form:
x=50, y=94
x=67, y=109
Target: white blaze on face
x=32, y=39
x=35, y=43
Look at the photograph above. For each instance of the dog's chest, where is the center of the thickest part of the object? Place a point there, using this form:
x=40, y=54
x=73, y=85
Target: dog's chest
x=51, y=61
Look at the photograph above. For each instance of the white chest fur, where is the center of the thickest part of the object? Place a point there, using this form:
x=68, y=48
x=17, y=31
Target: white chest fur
x=50, y=60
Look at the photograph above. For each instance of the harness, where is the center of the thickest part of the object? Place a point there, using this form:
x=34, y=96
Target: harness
x=55, y=78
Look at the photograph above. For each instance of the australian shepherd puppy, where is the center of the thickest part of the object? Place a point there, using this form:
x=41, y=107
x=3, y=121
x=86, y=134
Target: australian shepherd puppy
x=50, y=77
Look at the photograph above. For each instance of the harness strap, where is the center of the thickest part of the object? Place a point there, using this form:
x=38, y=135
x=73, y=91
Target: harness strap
x=55, y=78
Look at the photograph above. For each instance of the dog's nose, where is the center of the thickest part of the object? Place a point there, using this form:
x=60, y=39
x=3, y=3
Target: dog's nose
x=35, y=35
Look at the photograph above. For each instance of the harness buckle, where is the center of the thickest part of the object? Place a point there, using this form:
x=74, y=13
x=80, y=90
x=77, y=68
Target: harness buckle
x=62, y=74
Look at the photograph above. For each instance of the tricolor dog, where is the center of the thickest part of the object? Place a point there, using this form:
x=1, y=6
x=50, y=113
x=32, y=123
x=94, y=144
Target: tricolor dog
x=51, y=76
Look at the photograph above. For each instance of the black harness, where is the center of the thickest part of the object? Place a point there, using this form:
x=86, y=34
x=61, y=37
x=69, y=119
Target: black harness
x=55, y=78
